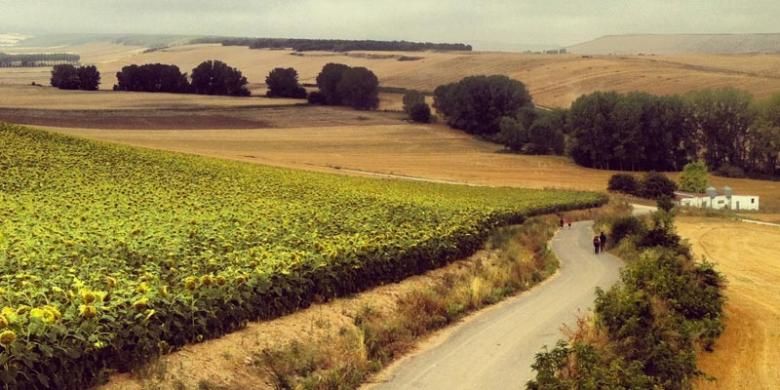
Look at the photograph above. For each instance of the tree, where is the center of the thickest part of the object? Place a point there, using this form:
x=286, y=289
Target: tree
x=89, y=78
x=412, y=98
x=283, y=82
x=513, y=134
x=420, y=112
x=217, y=78
x=694, y=177
x=328, y=82
x=544, y=137
x=477, y=104
x=359, y=89
x=656, y=186
x=65, y=76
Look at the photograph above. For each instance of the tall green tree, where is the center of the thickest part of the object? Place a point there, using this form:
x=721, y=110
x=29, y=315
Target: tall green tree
x=89, y=78
x=65, y=76
x=694, y=177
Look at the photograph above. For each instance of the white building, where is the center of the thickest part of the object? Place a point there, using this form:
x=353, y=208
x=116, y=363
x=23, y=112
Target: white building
x=716, y=201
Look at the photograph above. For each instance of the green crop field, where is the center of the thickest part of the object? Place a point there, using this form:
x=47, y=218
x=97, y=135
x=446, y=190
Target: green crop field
x=110, y=255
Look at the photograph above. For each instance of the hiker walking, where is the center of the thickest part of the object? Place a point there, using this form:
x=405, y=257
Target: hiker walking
x=561, y=222
x=596, y=244
x=602, y=242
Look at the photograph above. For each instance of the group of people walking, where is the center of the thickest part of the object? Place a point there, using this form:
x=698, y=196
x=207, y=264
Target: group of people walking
x=600, y=243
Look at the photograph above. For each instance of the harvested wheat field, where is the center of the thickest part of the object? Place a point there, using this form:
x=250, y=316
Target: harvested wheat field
x=746, y=356
x=554, y=80
x=408, y=150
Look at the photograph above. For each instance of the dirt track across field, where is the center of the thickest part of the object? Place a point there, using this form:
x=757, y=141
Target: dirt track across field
x=495, y=348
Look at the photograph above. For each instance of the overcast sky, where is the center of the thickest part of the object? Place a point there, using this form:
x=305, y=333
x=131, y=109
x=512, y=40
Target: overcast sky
x=486, y=23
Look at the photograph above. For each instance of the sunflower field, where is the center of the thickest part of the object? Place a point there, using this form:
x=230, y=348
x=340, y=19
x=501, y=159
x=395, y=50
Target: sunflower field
x=110, y=255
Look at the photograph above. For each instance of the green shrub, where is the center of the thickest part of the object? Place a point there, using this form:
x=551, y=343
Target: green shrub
x=420, y=113
x=656, y=185
x=625, y=183
x=626, y=227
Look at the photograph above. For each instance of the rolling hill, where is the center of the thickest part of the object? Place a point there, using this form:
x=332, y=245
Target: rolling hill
x=680, y=43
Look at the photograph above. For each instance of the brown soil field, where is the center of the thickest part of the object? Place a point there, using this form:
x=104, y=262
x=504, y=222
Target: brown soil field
x=746, y=356
x=409, y=150
x=554, y=80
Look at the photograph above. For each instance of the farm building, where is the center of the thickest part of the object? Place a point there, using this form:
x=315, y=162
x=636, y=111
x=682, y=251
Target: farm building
x=724, y=200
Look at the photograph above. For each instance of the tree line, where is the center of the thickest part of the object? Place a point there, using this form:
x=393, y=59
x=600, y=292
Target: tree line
x=336, y=45
x=35, y=60
x=725, y=128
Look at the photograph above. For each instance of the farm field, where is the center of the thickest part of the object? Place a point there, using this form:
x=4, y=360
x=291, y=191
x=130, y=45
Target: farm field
x=432, y=152
x=165, y=249
x=746, y=355
x=553, y=80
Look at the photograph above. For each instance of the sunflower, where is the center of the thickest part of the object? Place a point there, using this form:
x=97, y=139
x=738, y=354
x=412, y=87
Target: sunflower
x=190, y=283
x=88, y=296
x=87, y=311
x=44, y=315
x=141, y=304
x=7, y=337
x=3, y=322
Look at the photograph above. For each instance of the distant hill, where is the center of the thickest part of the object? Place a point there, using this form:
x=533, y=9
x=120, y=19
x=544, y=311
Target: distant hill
x=680, y=43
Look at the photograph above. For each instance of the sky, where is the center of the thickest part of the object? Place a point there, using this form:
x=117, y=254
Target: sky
x=487, y=24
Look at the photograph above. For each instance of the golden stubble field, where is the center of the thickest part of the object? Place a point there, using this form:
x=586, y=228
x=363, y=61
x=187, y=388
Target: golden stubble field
x=747, y=355
x=416, y=151
x=554, y=80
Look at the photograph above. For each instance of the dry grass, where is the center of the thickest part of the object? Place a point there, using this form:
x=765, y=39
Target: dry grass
x=423, y=151
x=746, y=356
x=553, y=80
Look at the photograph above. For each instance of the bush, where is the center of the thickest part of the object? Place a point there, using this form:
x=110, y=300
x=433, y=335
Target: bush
x=316, y=97
x=656, y=185
x=411, y=99
x=625, y=183
x=283, y=82
x=420, y=112
x=625, y=227
x=218, y=78
x=477, y=104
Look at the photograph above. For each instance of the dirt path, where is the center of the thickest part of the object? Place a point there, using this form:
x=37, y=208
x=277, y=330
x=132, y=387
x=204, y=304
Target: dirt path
x=495, y=349
x=747, y=355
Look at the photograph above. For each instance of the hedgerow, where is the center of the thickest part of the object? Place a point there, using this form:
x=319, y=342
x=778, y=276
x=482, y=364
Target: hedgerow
x=110, y=255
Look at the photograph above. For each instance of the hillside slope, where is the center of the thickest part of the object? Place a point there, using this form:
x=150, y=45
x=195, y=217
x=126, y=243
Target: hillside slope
x=680, y=43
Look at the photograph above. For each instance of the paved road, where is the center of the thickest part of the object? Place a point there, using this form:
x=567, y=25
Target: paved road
x=495, y=349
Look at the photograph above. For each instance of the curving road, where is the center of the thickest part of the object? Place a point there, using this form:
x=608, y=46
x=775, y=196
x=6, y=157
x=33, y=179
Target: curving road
x=495, y=349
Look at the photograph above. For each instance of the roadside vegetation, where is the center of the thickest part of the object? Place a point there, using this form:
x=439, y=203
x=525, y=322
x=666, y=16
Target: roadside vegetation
x=645, y=331
x=111, y=255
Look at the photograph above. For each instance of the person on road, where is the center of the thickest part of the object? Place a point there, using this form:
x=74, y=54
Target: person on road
x=596, y=244
x=561, y=222
x=602, y=242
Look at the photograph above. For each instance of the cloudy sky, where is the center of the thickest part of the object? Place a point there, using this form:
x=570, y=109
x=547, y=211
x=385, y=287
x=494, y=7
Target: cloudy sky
x=486, y=23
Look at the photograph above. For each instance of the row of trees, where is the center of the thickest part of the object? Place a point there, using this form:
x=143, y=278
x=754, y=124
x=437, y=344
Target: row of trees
x=37, y=59
x=638, y=131
x=66, y=76
x=208, y=78
x=337, y=45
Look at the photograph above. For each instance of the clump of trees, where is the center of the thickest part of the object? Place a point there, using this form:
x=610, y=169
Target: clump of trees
x=337, y=45
x=416, y=107
x=639, y=131
x=283, y=82
x=152, y=78
x=37, y=59
x=477, y=104
x=218, y=78
x=340, y=84
x=653, y=185
x=66, y=76
x=533, y=132
x=208, y=78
